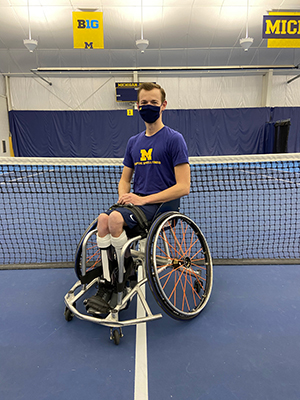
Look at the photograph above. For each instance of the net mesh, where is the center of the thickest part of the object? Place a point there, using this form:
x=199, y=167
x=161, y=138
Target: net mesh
x=247, y=207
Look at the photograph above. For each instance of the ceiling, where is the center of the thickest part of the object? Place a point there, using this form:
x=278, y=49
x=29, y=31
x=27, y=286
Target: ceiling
x=183, y=34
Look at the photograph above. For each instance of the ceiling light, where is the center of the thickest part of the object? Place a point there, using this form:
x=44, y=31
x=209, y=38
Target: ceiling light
x=247, y=41
x=142, y=44
x=30, y=43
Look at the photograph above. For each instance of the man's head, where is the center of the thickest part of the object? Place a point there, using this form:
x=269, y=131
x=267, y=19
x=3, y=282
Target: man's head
x=148, y=86
x=151, y=102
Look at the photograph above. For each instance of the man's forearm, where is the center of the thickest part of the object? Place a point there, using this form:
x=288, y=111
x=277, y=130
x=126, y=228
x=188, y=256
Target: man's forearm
x=174, y=192
x=124, y=187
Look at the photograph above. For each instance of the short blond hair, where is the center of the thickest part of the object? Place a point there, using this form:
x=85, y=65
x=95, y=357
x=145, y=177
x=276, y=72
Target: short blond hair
x=150, y=86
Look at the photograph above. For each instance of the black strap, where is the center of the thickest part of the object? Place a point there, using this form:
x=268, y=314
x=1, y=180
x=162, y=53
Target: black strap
x=91, y=275
x=137, y=212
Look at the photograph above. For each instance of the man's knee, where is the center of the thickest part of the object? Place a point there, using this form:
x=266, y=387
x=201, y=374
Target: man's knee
x=115, y=223
x=102, y=224
x=112, y=223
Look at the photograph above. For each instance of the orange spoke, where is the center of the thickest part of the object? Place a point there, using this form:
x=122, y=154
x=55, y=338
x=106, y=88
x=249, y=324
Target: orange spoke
x=167, y=256
x=190, y=272
x=162, y=269
x=193, y=291
x=167, y=280
x=184, y=235
x=171, y=247
x=93, y=255
x=175, y=290
x=95, y=263
x=183, y=244
x=190, y=248
x=169, y=273
x=176, y=283
x=197, y=253
x=177, y=241
x=184, y=294
x=198, y=266
x=173, y=230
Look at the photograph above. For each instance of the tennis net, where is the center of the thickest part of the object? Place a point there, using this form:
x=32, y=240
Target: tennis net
x=248, y=207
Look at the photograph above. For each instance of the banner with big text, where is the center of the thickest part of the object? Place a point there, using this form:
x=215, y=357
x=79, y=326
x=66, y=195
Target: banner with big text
x=88, y=30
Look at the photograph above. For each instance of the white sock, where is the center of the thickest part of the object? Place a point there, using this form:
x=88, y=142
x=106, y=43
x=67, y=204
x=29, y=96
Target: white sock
x=118, y=243
x=103, y=244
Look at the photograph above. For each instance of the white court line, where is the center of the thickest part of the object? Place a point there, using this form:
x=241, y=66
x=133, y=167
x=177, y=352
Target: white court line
x=141, y=359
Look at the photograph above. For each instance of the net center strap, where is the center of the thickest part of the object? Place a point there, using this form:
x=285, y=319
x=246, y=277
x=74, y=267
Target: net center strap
x=137, y=212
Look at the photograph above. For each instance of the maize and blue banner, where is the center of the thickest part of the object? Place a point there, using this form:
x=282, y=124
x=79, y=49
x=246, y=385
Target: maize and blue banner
x=88, y=30
x=282, y=29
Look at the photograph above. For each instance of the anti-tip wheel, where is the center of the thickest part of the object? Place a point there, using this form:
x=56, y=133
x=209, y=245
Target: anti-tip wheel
x=68, y=314
x=116, y=336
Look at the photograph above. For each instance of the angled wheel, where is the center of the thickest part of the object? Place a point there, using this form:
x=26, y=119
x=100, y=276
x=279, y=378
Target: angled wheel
x=93, y=254
x=179, y=266
x=68, y=315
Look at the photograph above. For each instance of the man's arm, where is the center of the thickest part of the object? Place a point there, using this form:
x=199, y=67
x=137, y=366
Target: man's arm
x=181, y=188
x=125, y=181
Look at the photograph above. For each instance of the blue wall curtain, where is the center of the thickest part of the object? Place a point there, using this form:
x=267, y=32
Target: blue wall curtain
x=105, y=133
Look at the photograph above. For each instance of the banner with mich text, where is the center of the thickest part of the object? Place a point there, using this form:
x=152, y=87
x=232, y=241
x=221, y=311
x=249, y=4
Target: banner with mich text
x=282, y=29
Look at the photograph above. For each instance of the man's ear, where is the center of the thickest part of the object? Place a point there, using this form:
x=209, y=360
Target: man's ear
x=164, y=105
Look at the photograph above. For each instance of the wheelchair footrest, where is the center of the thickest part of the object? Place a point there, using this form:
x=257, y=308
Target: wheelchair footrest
x=112, y=317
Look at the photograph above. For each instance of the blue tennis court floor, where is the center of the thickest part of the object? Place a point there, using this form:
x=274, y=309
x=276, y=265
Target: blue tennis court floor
x=244, y=345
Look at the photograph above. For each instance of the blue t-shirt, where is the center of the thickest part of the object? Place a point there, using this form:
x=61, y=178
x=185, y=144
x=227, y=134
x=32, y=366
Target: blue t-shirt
x=153, y=159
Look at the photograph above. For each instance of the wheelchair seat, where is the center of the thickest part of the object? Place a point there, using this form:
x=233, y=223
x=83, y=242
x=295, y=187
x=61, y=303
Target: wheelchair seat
x=173, y=205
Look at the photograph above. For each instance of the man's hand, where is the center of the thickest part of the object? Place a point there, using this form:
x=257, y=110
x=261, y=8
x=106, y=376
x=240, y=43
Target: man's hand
x=132, y=198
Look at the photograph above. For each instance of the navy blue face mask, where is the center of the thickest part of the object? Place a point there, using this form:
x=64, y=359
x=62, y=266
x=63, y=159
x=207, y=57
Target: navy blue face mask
x=149, y=113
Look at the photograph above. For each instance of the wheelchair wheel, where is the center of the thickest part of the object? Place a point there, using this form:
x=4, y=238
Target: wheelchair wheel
x=93, y=254
x=178, y=265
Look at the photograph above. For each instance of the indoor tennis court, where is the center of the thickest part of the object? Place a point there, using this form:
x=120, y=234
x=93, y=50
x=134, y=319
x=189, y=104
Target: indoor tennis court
x=214, y=312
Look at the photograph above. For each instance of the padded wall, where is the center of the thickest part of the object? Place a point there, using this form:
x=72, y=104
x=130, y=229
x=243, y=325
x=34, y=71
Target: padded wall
x=105, y=133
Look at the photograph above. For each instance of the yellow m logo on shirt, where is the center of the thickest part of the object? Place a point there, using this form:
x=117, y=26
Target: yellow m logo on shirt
x=146, y=155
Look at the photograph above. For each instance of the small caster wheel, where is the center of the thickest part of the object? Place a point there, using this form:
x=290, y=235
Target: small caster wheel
x=116, y=336
x=68, y=314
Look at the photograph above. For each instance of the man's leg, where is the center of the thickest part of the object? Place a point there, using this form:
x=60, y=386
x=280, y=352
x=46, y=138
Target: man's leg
x=110, y=232
x=118, y=235
x=98, y=304
x=103, y=242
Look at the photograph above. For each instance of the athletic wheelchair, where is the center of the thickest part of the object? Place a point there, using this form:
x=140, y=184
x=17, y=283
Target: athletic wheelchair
x=170, y=253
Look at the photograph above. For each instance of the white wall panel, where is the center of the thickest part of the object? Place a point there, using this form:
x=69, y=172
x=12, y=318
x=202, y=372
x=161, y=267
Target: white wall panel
x=285, y=94
x=97, y=93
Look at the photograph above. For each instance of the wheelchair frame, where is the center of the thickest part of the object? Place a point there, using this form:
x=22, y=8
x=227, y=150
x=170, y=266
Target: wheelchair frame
x=150, y=258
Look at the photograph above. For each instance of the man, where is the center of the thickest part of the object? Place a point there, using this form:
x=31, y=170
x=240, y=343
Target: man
x=158, y=158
